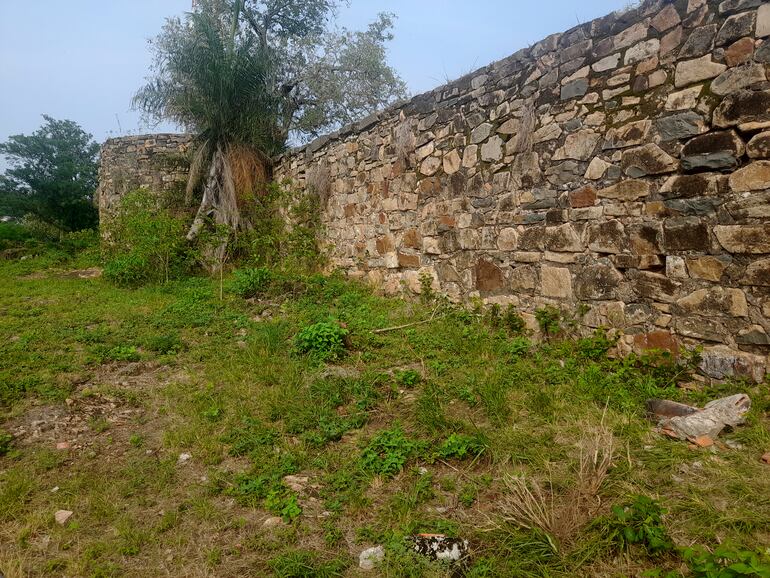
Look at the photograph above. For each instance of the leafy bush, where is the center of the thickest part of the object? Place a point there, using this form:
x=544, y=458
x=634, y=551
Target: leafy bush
x=164, y=344
x=408, y=378
x=639, y=522
x=146, y=243
x=727, y=562
x=460, y=446
x=123, y=353
x=324, y=340
x=253, y=282
x=549, y=319
x=388, y=451
x=283, y=504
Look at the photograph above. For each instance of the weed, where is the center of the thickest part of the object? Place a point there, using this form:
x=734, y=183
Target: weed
x=727, y=562
x=408, y=378
x=638, y=522
x=549, y=318
x=387, y=453
x=251, y=436
x=123, y=353
x=283, y=504
x=168, y=344
x=6, y=442
x=305, y=564
x=324, y=340
x=461, y=446
x=248, y=283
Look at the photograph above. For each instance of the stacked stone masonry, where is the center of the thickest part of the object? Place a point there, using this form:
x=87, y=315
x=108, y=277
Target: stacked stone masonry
x=623, y=165
x=157, y=162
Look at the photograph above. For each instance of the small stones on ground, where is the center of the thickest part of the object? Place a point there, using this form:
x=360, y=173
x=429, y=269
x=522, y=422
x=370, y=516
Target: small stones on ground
x=273, y=522
x=62, y=445
x=62, y=516
x=369, y=558
x=766, y=458
x=183, y=458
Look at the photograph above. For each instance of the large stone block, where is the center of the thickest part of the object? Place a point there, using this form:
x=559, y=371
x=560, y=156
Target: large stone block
x=759, y=146
x=697, y=70
x=645, y=160
x=713, y=151
x=607, y=237
x=753, y=177
x=628, y=190
x=563, y=238
x=555, y=282
x=757, y=273
x=685, y=234
x=714, y=301
x=489, y=277
x=750, y=239
x=738, y=78
x=746, y=109
x=721, y=362
x=597, y=281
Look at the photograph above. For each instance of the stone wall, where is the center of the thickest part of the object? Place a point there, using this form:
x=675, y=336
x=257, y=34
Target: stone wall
x=158, y=162
x=622, y=165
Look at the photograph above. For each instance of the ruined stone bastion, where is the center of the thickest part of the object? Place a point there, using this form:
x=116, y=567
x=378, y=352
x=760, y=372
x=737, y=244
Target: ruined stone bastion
x=621, y=168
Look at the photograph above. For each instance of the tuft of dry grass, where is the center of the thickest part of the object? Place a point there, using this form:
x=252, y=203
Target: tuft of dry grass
x=530, y=505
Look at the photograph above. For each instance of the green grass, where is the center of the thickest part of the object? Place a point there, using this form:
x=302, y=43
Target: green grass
x=395, y=433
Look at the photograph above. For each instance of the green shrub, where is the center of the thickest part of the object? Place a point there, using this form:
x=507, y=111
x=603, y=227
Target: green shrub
x=146, y=243
x=639, y=522
x=164, y=344
x=253, y=282
x=727, y=562
x=387, y=453
x=324, y=340
x=123, y=353
x=460, y=446
x=549, y=319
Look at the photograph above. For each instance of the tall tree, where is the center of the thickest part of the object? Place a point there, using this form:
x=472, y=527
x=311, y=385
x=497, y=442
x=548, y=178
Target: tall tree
x=215, y=81
x=53, y=175
x=247, y=76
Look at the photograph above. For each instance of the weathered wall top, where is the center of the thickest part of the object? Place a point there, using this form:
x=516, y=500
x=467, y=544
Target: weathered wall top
x=154, y=161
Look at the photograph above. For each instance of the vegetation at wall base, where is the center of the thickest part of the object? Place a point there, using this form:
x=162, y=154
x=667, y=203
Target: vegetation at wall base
x=173, y=423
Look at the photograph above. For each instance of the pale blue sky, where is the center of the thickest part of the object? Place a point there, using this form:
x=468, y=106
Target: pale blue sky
x=83, y=59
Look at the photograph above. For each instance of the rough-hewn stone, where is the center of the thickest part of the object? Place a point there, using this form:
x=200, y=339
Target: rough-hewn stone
x=759, y=146
x=713, y=151
x=752, y=177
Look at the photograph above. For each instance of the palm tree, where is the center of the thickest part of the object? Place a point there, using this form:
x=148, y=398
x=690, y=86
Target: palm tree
x=216, y=82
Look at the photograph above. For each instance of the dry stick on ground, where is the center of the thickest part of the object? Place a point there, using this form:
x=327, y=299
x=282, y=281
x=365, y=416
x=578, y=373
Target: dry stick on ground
x=397, y=327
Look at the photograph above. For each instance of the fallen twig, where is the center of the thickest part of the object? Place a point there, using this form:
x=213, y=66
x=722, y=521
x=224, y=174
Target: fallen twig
x=406, y=325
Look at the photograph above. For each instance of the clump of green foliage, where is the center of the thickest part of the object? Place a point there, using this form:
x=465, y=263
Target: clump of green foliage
x=146, y=243
x=549, y=318
x=250, y=282
x=639, y=522
x=388, y=451
x=284, y=504
x=6, y=440
x=727, y=562
x=461, y=446
x=305, y=564
x=324, y=340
